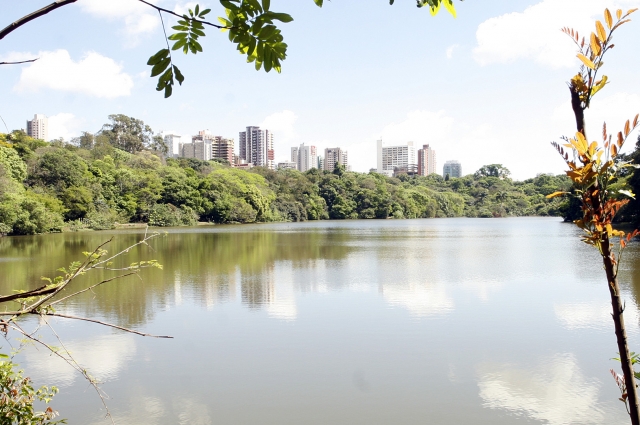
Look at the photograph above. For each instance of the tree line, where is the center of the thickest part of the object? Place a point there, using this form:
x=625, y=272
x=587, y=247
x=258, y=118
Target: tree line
x=121, y=175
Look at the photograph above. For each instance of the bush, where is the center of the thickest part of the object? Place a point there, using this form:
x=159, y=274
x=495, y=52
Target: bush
x=167, y=215
x=17, y=397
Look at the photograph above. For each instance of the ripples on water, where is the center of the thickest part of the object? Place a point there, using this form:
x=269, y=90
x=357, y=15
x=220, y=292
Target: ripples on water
x=355, y=322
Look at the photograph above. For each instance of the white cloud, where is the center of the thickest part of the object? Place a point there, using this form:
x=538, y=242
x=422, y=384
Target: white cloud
x=182, y=9
x=450, y=50
x=137, y=18
x=93, y=75
x=64, y=125
x=535, y=33
x=556, y=392
x=281, y=124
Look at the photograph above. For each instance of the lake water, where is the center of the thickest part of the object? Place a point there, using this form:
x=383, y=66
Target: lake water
x=441, y=321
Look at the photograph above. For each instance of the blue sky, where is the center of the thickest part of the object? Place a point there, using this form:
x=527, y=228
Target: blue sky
x=487, y=87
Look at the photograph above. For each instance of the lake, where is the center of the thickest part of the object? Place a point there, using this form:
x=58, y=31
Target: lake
x=433, y=321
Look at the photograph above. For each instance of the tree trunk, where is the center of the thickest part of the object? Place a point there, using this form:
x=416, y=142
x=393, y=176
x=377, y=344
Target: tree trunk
x=621, y=333
x=614, y=289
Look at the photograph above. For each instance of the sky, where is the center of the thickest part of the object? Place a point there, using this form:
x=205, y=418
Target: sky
x=486, y=87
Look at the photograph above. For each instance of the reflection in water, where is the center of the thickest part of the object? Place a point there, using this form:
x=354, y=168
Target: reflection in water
x=594, y=315
x=376, y=322
x=103, y=356
x=420, y=300
x=556, y=392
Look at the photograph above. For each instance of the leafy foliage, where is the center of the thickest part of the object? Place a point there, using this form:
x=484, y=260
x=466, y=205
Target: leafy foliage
x=95, y=185
x=17, y=397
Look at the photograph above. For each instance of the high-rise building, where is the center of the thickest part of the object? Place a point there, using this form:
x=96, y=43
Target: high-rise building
x=426, y=161
x=188, y=150
x=320, y=162
x=256, y=147
x=38, y=127
x=213, y=147
x=306, y=157
x=333, y=156
x=452, y=169
x=173, y=142
x=392, y=157
x=222, y=149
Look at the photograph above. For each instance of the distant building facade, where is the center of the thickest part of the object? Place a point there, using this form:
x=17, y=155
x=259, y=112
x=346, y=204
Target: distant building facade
x=452, y=169
x=38, y=127
x=256, y=147
x=173, y=142
x=287, y=165
x=333, y=156
x=305, y=157
x=426, y=161
x=392, y=157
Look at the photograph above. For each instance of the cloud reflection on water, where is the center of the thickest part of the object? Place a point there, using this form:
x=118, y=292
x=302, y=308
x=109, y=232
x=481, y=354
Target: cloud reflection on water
x=420, y=299
x=102, y=356
x=556, y=392
x=593, y=315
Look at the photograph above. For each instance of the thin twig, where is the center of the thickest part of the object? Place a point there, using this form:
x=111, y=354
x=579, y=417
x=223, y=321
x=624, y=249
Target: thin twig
x=86, y=319
x=18, y=62
x=91, y=287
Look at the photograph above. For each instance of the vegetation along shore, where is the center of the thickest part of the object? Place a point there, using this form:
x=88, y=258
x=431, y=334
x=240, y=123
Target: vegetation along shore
x=91, y=184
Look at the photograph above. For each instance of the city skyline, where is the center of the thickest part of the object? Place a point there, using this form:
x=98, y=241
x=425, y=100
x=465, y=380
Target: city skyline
x=492, y=72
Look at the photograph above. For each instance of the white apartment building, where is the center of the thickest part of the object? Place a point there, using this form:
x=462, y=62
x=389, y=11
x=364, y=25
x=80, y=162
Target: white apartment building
x=426, y=161
x=333, y=156
x=256, y=147
x=173, y=142
x=306, y=157
x=392, y=157
x=452, y=168
x=38, y=127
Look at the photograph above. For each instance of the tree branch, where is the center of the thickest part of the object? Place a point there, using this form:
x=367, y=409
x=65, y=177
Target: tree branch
x=19, y=62
x=103, y=323
x=30, y=17
x=34, y=293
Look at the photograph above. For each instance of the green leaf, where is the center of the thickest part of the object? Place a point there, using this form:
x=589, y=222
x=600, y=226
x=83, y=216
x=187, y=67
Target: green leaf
x=282, y=17
x=628, y=193
x=167, y=91
x=178, y=36
x=266, y=4
x=179, y=75
x=267, y=32
x=204, y=12
x=160, y=67
x=158, y=57
x=178, y=44
x=197, y=12
x=318, y=3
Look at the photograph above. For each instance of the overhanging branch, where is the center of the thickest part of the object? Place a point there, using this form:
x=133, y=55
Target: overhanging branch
x=16, y=63
x=30, y=17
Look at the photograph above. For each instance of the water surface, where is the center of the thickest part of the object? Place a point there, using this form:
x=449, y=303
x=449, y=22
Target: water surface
x=443, y=321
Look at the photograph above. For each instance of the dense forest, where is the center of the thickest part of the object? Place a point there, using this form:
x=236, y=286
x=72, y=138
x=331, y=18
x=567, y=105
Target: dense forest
x=121, y=176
